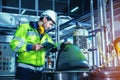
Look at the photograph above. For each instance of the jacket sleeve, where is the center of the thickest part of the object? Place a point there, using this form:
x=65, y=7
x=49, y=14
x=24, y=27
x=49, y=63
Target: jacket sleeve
x=18, y=43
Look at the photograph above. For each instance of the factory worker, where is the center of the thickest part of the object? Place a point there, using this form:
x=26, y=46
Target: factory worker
x=31, y=41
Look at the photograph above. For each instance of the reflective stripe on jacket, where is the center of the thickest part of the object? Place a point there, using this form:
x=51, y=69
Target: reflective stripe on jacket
x=25, y=34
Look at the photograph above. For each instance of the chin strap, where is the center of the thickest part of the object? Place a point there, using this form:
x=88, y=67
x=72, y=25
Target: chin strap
x=41, y=29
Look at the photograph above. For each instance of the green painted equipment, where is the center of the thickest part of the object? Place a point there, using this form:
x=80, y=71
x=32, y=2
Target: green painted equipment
x=70, y=57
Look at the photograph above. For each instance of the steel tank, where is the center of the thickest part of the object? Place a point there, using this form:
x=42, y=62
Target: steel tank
x=71, y=64
x=65, y=75
x=80, y=37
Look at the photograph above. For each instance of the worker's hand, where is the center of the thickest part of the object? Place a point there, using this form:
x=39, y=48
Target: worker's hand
x=67, y=42
x=63, y=44
x=37, y=47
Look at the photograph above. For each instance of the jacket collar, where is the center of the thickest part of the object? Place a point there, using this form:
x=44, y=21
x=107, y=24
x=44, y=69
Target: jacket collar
x=34, y=24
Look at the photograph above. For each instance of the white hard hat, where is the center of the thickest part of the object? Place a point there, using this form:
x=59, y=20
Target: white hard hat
x=50, y=13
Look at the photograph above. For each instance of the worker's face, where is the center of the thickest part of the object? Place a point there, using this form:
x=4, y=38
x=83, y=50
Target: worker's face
x=47, y=24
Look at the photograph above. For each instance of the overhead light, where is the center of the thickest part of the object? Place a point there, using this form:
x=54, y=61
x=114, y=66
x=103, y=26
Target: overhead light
x=23, y=11
x=74, y=9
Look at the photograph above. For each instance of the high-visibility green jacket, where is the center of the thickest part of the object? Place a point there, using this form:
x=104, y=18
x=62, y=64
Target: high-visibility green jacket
x=26, y=34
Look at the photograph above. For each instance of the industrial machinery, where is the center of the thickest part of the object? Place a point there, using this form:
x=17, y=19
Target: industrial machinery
x=96, y=60
x=7, y=62
x=71, y=65
x=70, y=57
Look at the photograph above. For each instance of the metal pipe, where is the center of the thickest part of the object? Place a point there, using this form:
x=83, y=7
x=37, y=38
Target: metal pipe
x=102, y=33
x=105, y=28
x=53, y=4
x=112, y=25
x=23, y=12
x=93, y=27
x=57, y=30
x=0, y=5
x=36, y=6
x=112, y=20
x=104, y=12
x=92, y=14
x=19, y=6
x=57, y=39
x=68, y=7
x=99, y=21
x=82, y=7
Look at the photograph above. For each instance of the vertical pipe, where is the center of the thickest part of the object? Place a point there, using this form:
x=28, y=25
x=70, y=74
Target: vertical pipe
x=112, y=24
x=112, y=20
x=102, y=33
x=82, y=7
x=18, y=17
x=104, y=12
x=101, y=13
x=99, y=25
x=92, y=22
x=53, y=5
x=56, y=33
x=57, y=39
x=105, y=28
x=92, y=14
x=36, y=7
x=19, y=6
x=0, y=5
x=68, y=7
x=102, y=22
